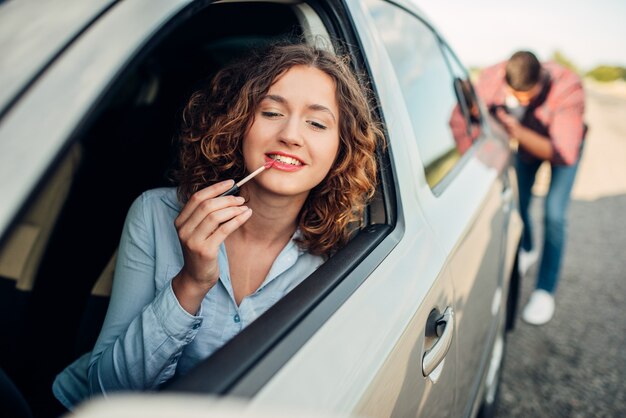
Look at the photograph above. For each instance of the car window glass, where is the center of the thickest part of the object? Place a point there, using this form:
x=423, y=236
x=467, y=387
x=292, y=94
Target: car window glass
x=428, y=89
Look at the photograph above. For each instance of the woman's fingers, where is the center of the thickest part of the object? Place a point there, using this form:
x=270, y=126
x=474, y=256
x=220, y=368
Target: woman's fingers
x=227, y=228
x=214, y=219
x=200, y=197
x=207, y=248
x=187, y=226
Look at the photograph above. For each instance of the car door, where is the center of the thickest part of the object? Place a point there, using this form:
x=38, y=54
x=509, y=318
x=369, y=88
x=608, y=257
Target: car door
x=467, y=197
x=483, y=253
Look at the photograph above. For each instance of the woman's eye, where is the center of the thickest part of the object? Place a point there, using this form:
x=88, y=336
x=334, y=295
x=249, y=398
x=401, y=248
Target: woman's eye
x=317, y=125
x=269, y=114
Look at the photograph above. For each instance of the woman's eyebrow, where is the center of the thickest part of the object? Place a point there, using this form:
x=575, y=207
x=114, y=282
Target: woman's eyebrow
x=283, y=101
x=323, y=109
x=276, y=98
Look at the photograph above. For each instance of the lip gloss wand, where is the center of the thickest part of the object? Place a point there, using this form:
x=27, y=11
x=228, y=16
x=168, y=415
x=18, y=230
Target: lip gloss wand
x=233, y=190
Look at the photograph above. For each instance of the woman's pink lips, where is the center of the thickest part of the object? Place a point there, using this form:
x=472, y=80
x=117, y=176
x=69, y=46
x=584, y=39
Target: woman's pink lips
x=279, y=165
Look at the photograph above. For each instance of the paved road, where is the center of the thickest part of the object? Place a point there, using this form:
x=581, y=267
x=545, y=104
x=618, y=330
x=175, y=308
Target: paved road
x=575, y=366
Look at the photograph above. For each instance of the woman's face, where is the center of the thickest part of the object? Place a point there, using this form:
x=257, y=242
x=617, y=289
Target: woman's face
x=297, y=125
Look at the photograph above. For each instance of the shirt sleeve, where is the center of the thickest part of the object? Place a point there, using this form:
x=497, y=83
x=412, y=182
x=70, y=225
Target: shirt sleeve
x=145, y=329
x=567, y=127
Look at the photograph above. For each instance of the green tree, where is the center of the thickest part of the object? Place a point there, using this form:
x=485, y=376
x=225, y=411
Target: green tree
x=607, y=73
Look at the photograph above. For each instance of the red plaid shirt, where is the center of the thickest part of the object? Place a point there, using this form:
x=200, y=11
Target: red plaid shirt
x=557, y=113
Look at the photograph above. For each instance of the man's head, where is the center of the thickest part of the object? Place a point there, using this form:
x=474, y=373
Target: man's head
x=523, y=76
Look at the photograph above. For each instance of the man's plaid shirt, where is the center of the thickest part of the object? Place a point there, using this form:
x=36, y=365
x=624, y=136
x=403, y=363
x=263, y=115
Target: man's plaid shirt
x=557, y=113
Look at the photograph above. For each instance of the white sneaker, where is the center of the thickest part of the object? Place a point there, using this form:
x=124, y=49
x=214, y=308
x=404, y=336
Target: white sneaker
x=540, y=308
x=526, y=260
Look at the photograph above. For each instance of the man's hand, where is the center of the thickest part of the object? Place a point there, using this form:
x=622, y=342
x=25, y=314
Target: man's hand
x=536, y=144
x=513, y=127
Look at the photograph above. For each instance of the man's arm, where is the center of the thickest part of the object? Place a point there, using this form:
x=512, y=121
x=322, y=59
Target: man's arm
x=538, y=145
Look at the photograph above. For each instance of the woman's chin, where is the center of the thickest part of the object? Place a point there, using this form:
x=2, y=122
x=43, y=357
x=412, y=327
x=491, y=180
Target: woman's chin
x=284, y=190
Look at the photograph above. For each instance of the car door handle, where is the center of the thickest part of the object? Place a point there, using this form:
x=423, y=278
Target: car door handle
x=445, y=330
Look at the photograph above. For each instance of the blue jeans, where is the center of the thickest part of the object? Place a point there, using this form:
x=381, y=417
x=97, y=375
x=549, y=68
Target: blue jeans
x=555, y=216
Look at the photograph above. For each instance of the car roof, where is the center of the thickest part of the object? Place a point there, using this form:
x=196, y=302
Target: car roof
x=33, y=33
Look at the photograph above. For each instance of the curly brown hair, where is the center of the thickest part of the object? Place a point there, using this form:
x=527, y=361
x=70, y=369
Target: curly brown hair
x=216, y=118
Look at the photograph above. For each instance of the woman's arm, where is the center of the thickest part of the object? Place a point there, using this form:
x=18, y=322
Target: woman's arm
x=145, y=330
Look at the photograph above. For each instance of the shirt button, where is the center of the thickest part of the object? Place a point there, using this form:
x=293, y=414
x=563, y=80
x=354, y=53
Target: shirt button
x=196, y=325
x=236, y=318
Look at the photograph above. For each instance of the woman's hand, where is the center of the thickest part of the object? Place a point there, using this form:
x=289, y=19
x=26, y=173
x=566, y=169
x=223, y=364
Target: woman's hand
x=203, y=224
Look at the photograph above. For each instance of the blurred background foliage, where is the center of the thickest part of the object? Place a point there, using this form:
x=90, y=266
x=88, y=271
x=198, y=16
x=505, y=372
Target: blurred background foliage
x=607, y=73
x=603, y=73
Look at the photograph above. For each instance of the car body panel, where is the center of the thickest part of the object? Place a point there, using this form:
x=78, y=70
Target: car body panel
x=468, y=214
x=334, y=369
x=476, y=269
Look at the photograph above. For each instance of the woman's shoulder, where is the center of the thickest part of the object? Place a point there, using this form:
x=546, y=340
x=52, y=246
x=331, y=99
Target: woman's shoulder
x=155, y=205
x=159, y=199
x=151, y=216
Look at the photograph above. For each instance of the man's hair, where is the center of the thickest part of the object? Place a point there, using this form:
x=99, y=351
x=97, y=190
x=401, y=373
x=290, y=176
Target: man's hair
x=523, y=71
x=216, y=119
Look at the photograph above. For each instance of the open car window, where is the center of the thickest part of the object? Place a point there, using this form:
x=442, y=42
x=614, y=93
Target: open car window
x=57, y=257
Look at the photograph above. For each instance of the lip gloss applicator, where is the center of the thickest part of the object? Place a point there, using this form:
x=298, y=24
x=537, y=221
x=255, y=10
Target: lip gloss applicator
x=233, y=190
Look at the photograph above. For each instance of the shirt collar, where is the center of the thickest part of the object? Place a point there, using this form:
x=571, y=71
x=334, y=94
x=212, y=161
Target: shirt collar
x=286, y=259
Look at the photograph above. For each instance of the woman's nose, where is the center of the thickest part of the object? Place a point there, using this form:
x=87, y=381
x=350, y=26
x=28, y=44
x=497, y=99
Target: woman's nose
x=291, y=134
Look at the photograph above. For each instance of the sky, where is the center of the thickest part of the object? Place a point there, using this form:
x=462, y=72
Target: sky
x=482, y=32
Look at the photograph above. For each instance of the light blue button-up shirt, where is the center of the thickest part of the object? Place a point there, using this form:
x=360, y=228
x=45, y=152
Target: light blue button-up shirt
x=147, y=337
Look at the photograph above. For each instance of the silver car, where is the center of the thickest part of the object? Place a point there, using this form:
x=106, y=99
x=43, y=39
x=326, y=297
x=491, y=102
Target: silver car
x=409, y=319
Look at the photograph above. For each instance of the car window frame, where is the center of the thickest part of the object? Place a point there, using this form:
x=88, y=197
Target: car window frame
x=249, y=360
x=296, y=317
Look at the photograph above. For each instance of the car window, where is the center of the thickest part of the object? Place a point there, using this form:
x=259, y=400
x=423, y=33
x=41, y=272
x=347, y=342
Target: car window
x=429, y=89
x=57, y=259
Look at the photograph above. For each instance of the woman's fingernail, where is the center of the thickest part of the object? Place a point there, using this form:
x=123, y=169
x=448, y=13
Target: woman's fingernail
x=240, y=199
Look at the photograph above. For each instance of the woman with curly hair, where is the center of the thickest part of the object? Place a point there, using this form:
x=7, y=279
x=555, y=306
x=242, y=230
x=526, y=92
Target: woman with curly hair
x=194, y=266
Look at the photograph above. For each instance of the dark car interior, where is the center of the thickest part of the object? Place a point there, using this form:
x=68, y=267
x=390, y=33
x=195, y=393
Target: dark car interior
x=56, y=265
